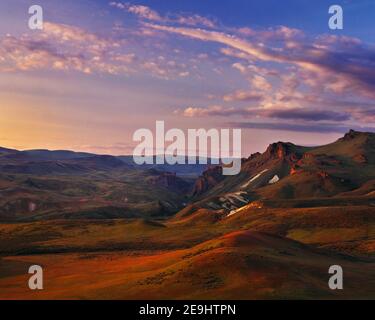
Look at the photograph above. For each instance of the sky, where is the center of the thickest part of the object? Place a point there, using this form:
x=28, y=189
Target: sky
x=100, y=70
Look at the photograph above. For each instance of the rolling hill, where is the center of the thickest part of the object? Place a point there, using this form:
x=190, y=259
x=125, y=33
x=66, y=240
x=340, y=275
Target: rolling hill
x=42, y=184
x=271, y=232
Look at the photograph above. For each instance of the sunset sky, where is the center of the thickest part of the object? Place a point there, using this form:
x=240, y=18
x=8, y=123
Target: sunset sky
x=99, y=70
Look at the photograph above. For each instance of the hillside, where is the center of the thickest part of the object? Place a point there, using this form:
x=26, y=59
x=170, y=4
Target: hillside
x=270, y=232
x=286, y=174
x=238, y=265
x=42, y=184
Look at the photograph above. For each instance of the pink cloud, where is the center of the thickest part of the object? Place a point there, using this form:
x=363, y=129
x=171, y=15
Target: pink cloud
x=339, y=66
x=62, y=47
x=192, y=112
x=241, y=95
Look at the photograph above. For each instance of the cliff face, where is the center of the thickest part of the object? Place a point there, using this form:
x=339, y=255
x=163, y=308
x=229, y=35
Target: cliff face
x=277, y=150
x=210, y=178
x=170, y=181
x=282, y=151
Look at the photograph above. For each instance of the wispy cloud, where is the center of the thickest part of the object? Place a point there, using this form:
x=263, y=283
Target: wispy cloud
x=146, y=13
x=292, y=76
x=304, y=114
x=139, y=10
x=310, y=115
x=273, y=73
x=62, y=47
x=242, y=95
x=192, y=112
x=344, y=64
x=313, y=128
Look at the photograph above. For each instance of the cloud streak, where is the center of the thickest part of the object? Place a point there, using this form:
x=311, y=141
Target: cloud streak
x=139, y=10
x=309, y=115
x=344, y=67
x=146, y=13
x=310, y=128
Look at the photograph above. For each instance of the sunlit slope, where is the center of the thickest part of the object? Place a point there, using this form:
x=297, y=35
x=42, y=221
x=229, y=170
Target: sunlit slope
x=239, y=265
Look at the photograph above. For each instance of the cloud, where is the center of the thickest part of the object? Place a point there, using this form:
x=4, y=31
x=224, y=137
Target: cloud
x=290, y=76
x=316, y=128
x=68, y=33
x=147, y=13
x=195, y=20
x=139, y=10
x=193, y=112
x=295, y=77
x=220, y=37
x=275, y=33
x=184, y=74
x=342, y=66
x=155, y=68
x=241, y=95
x=304, y=114
x=59, y=47
x=364, y=115
x=260, y=83
x=62, y=47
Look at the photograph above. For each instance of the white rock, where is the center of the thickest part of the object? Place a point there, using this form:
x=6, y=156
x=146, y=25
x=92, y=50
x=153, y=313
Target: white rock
x=274, y=179
x=254, y=178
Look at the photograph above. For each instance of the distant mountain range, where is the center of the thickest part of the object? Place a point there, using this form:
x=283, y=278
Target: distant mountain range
x=270, y=232
x=285, y=175
x=64, y=161
x=43, y=184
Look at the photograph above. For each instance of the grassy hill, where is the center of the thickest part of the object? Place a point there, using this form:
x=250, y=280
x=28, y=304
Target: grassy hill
x=105, y=229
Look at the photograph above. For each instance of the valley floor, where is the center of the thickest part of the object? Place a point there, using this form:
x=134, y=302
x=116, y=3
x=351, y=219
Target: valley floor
x=255, y=254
